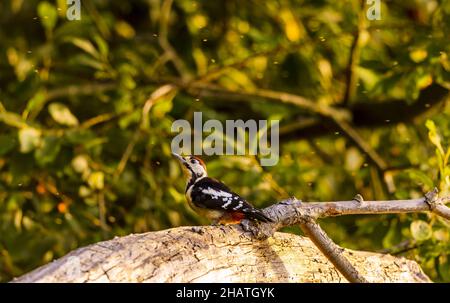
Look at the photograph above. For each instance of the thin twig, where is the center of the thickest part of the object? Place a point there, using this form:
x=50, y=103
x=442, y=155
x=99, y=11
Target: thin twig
x=85, y=89
x=401, y=247
x=97, y=120
x=102, y=213
x=283, y=97
x=157, y=95
x=351, y=78
x=340, y=208
x=361, y=143
x=126, y=155
x=164, y=41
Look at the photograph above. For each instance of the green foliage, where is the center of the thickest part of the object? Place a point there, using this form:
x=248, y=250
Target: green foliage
x=85, y=149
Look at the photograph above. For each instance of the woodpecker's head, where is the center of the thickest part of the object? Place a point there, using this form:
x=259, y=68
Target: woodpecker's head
x=193, y=166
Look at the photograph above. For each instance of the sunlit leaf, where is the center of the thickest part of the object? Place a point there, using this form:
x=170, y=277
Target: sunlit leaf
x=85, y=45
x=29, y=139
x=35, y=104
x=434, y=136
x=441, y=234
x=418, y=55
x=12, y=119
x=96, y=180
x=80, y=164
x=421, y=177
x=61, y=114
x=421, y=230
x=124, y=29
x=48, y=14
x=292, y=28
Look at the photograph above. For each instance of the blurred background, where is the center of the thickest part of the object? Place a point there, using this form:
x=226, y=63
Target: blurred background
x=86, y=108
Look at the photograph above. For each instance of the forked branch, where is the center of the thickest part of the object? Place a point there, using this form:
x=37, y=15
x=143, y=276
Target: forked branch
x=294, y=212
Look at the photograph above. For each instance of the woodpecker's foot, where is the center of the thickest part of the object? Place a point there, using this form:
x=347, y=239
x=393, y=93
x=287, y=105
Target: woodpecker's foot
x=197, y=229
x=431, y=198
x=290, y=201
x=246, y=225
x=259, y=231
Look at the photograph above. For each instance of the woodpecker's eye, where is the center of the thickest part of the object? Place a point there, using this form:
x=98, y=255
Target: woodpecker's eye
x=193, y=161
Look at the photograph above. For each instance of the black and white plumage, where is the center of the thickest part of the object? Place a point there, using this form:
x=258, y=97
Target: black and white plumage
x=213, y=199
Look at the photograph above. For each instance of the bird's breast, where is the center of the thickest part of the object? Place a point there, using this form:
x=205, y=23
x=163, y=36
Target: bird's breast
x=208, y=213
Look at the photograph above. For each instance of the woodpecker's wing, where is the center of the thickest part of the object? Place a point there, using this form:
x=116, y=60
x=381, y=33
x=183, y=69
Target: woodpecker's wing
x=212, y=194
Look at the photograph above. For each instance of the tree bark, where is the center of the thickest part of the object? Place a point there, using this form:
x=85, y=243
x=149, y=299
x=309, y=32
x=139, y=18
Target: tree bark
x=216, y=254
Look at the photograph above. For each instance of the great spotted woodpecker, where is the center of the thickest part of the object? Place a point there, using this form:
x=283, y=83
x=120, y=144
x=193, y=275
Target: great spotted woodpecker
x=213, y=199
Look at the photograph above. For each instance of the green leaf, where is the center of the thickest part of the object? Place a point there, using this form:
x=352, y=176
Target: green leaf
x=80, y=164
x=133, y=117
x=163, y=104
x=12, y=119
x=444, y=267
x=48, y=14
x=421, y=177
x=420, y=230
x=61, y=114
x=96, y=180
x=441, y=234
x=393, y=235
x=128, y=82
x=7, y=143
x=102, y=46
x=35, y=104
x=368, y=77
x=85, y=45
x=88, y=61
x=411, y=88
x=48, y=150
x=29, y=139
x=163, y=107
x=434, y=136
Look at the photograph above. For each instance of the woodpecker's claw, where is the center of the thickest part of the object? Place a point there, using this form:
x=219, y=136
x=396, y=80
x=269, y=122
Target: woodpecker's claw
x=197, y=229
x=290, y=201
x=431, y=198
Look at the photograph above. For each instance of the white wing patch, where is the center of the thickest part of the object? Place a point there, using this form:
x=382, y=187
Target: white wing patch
x=226, y=197
x=226, y=204
x=239, y=206
x=215, y=194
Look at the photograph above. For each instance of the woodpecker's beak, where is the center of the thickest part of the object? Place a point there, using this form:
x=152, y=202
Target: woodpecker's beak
x=180, y=158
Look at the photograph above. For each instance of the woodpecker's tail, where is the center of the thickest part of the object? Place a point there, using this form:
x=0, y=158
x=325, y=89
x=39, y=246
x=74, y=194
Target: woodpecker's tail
x=256, y=214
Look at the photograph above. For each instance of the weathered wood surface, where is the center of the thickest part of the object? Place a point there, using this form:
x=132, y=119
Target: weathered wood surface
x=215, y=254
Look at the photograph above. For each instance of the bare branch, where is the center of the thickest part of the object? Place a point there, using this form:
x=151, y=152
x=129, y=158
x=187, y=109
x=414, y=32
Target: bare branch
x=204, y=89
x=294, y=212
x=362, y=144
x=331, y=251
x=291, y=212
